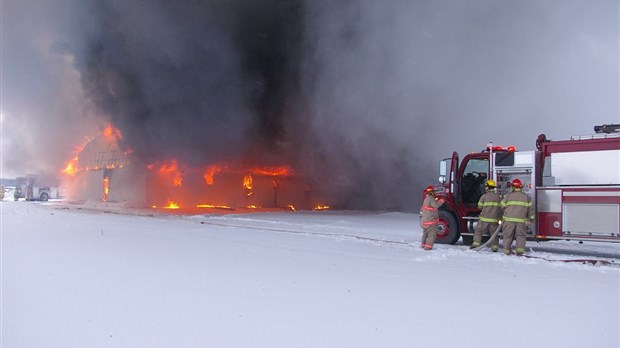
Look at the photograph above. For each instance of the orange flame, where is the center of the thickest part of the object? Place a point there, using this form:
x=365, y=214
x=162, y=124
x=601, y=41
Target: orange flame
x=213, y=206
x=71, y=167
x=272, y=171
x=247, y=184
x=210, y=173
x=172, y=205
x=321, y=207
x=111, y=133
x=171, y=170
x=106, y=188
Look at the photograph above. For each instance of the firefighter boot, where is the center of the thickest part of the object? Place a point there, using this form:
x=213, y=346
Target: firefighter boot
x=520, y=251
x=494, y=248
x=474, y=245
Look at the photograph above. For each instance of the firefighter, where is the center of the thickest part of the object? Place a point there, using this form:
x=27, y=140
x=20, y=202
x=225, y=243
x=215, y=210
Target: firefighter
x=518, y=214
x=490, y=215
x=430, y=217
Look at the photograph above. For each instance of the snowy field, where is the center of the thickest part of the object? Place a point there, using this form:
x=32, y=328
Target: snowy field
x=102, y=276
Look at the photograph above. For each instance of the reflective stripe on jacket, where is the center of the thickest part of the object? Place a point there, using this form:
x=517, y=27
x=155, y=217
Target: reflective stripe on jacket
x=430, y=210
x=490, y=203
x=430, y=223
x=517, y=207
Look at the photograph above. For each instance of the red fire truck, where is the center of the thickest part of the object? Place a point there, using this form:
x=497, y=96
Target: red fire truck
x=574, y=185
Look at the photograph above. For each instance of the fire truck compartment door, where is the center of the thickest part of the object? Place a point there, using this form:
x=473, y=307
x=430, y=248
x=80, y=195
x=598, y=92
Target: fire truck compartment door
x=590, y=219
x=586, y=167
x=549, y=201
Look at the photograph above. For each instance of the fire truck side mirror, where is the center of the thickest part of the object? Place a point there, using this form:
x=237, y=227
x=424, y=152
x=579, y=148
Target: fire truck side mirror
x=443, y=167
x=442, y=179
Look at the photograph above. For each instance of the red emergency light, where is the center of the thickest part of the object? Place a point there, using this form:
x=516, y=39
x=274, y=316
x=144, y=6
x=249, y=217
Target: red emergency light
x=495, y=148
x=500, y=148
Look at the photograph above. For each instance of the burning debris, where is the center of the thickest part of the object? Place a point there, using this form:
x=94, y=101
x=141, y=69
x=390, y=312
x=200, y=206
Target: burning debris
x=172, y=205
x=321, y=207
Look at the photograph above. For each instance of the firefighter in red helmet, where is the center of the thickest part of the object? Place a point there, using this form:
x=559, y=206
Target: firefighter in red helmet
x=518, y=213
x=490, y=215
x=430, y=217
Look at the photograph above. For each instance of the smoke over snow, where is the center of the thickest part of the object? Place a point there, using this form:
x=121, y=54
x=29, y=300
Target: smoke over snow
x=363, y=96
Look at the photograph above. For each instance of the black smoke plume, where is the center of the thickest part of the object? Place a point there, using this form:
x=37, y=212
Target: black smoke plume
x=200, y=81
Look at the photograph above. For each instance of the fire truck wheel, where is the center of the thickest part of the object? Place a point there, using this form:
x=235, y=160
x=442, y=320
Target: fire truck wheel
x=448, y=229
x=44, y=196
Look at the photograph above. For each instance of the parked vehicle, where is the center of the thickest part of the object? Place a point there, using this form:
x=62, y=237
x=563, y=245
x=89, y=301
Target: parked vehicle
x=35, y=188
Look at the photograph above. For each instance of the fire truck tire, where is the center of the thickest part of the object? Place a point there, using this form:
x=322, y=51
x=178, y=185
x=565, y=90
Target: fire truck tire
x=448, y=229
x=44, y=196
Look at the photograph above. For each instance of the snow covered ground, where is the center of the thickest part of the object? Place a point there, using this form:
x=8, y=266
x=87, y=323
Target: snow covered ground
x=102, y=276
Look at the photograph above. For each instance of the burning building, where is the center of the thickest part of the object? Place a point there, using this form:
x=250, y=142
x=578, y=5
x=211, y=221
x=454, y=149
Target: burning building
x=103, y=169
x=96, y=172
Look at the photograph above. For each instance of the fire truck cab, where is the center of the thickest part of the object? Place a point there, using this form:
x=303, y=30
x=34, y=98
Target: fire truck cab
x=574, y=186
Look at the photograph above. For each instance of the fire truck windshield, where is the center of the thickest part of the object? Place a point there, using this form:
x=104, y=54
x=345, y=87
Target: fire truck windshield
x=474, y=176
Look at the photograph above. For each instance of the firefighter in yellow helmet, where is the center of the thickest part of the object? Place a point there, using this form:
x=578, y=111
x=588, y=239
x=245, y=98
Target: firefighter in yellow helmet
x=518, y=213
x=430, y=217
x=490, y=215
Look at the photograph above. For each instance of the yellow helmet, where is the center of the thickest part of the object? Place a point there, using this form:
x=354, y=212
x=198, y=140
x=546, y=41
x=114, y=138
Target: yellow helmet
x=490, y=183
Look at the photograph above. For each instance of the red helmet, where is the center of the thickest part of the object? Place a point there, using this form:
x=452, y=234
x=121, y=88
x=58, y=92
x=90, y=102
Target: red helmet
x=516, y=183
x=429, y=189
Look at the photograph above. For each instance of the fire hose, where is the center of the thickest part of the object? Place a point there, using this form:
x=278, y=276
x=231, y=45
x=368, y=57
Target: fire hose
x=488, y=242
x=584, y=261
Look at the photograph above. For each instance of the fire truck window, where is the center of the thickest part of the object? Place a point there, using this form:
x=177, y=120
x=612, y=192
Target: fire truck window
x=474, y=176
